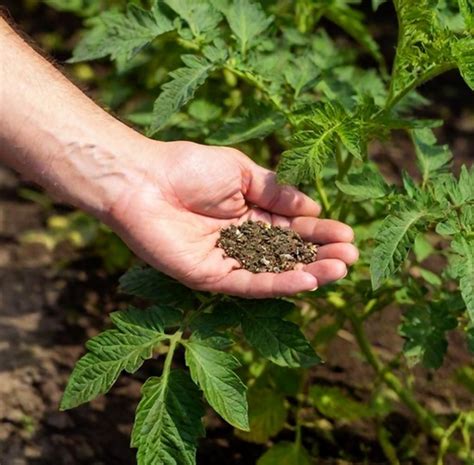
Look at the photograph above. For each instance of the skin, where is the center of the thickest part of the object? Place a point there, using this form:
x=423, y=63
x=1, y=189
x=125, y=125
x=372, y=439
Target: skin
x=167, y=201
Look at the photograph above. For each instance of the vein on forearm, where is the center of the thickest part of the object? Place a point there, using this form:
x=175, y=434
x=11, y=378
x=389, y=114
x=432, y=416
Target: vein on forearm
x=53, y=133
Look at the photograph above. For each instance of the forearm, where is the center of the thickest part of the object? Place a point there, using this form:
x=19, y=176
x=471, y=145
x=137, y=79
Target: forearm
x=53, y=134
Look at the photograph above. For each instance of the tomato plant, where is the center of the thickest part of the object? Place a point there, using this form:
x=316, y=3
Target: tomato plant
x=268, y=77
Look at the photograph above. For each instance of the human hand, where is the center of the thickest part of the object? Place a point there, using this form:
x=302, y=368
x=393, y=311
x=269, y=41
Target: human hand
x=171, y=218
x=168, y=201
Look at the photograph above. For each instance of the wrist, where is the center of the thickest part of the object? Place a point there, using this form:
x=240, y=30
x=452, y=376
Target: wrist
x=98, y=173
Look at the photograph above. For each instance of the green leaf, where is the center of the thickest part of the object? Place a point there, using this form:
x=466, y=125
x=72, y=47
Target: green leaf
x=332, y=402
x=214, y=371
x=248, y=21
x=410, y=186
x=364, y=82
x=285, y=453
x=301, y=164
x=368, y=183
x=457, y=192
x=377, y=3
x=424, y=46
x=221, y=5
x=425, y=332
x=427, y=47
x=205, y=111
x=353, y=22
x=278, y=340
x=267, y=415
x=422, y=247
x=79, y=7
x=261, y=308
x=431, y=158
x=463, y=51
x=150, y=321
x=112, y=351
x=466, y=184
x=222, y=316
x=467, y=11
x=301, y=74
x=168, y=421
x=121, y=35
x=217, y=52
x=286, y=381
x=431, y=278
x=315, y=142
x=256, y=123
x=327, y=55
x=462, y=266
x=200, y=15
x=182, y=87
x=150, y=284
x=448, y=227
x=394, y=240
x=465, y=376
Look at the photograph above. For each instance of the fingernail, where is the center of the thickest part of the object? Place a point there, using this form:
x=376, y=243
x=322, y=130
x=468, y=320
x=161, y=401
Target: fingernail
x=314, y=288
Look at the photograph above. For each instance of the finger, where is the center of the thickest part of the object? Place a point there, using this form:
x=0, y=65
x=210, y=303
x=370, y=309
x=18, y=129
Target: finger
x=264, y=191
x=243, y=283
x=327, y=270
x=322, y=231
x=347, y=253
x=310, y=229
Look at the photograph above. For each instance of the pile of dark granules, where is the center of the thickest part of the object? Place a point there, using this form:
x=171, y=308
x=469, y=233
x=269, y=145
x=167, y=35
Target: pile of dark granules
x=260, y=247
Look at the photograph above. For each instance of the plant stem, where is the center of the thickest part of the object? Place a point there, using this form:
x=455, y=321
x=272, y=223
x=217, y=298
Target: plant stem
x=427, y=421
x=424, y=417
x=392, y=100
x=343, y=168
x=387, y=447
x=174, y=340
x=298, y=419
x=298, y=433
x=322, y=195
x=444, y=443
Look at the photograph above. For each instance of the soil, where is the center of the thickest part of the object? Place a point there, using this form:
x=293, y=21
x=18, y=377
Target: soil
x=260, y=247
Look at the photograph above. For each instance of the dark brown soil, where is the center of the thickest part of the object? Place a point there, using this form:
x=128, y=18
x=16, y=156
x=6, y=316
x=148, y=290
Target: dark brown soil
x=260, y=247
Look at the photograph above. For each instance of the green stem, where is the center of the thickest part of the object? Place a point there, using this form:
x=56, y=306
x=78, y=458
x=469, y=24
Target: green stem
x=298, y=433
x=299, y=407
x=466, y=434
x=174, y=340
x=424, y=417
x=387, y=447
x=392, y=100
x=343, y=169
x=427, y=421
x=445, y=440
x=375, y=304
x=205, y=304
x=322, y=195
x=188, y=44
x=304, y=15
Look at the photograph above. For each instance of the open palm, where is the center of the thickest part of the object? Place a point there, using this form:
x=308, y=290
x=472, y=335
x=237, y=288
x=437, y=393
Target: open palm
x=172, y=219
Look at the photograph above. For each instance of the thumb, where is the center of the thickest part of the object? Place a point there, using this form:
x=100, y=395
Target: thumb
x=264, y=191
